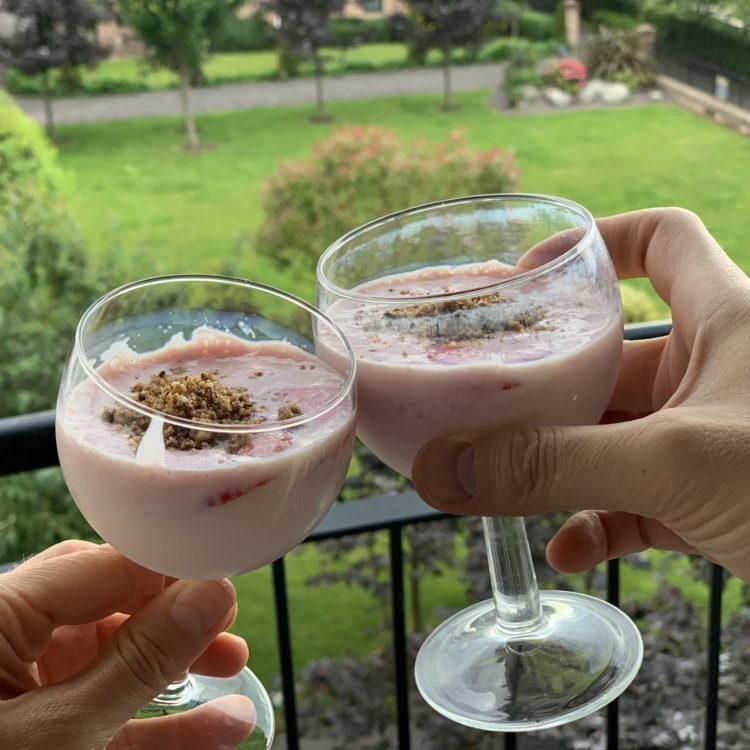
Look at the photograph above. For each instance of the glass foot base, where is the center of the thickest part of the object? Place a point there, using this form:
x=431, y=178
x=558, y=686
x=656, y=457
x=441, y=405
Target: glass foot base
x=582, y=656
x=198, y=689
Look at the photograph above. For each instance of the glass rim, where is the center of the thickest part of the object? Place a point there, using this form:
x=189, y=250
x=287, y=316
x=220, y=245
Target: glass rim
x=194, y=424
x=531, y=274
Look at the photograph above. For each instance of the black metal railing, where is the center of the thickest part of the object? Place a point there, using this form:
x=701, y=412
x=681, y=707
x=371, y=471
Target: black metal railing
x=701, y=74
x=28, y=442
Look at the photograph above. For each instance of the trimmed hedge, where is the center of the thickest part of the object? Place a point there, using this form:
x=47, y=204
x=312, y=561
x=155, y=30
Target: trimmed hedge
x=348, y=32
x=244, y=34
x=706, y=38
x=700, y=36
x=613, y=19
x=537, y=26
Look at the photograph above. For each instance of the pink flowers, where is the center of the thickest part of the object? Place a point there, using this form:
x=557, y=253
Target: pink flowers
x=567, y=74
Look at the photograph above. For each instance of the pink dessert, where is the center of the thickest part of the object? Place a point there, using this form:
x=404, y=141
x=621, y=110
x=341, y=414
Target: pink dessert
x=534, y=354
x=197, y=503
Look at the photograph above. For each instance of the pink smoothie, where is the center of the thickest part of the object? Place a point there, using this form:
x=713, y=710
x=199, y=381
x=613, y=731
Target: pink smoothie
x=222, y=509
x=422, y=376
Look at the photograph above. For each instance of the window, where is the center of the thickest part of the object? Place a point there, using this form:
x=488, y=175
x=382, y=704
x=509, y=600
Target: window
x=372, y=6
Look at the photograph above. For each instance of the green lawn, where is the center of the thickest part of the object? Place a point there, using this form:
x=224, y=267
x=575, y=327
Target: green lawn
x=139, y=192
x=243, y=66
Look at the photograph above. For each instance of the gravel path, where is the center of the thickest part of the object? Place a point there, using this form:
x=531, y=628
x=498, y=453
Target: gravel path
x=73, y=110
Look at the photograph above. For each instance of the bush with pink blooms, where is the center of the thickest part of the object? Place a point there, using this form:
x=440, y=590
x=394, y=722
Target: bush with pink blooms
x=361, y=173
x=566, y=74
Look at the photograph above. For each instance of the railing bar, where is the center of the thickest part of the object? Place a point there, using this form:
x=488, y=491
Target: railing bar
x=283, y=630
x=613, y=582
x=714, y=650
x=399, y=636
x=613, y=709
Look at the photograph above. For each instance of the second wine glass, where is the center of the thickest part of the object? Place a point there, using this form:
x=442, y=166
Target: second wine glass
x=465, y=315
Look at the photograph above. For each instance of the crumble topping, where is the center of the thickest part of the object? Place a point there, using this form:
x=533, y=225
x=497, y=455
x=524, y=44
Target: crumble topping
x=197, y=397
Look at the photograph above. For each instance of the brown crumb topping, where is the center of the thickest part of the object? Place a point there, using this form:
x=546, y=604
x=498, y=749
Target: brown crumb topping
x=427, y=309
x=196, y=397
x=288, y=412
x=465, y=319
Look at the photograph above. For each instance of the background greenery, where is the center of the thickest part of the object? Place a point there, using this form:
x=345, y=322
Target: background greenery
x=124, y=75
x=136, y=189
x=137, y=196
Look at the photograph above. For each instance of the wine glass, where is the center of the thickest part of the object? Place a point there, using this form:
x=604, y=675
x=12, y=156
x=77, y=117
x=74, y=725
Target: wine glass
x=457, y=327
x=202, y=437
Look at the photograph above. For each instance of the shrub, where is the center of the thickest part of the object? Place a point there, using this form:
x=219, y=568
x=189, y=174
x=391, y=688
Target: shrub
x=360, y=173
x=537, y=26
x=638, y=305
x=244, y=34
x=706, y=38
x=625, y=7
x=613, y=19
x=348, y=32
x=510, y=49
x=618, y=56
x=566, y=74
x=516, y=77
x=45, y=285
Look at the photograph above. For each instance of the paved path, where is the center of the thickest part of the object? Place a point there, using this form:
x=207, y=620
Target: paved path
x=72, y=110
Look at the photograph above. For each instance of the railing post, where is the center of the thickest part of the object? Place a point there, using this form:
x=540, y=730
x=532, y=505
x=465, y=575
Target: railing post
x=399, y=636
x=285, y=655
x=714, y=651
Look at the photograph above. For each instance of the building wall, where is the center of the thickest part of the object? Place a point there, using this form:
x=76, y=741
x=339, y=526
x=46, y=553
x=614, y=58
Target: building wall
x=120, y=39
x=7, y=24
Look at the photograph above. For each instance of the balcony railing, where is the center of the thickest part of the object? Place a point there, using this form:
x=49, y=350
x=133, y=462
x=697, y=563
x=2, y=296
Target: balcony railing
x=28, y=442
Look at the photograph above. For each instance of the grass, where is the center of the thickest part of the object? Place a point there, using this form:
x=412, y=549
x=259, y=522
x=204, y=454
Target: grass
x=229, y=67
x=168, y=211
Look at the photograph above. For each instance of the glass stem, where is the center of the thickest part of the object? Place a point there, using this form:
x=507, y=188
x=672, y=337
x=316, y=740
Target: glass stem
x=514, y=586
x=176, y=695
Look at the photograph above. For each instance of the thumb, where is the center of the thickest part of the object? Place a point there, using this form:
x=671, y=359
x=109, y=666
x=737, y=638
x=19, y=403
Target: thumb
x=523, y=470
x=151, y=649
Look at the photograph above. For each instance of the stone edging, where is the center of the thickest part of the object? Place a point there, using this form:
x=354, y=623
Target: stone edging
x=704, y=104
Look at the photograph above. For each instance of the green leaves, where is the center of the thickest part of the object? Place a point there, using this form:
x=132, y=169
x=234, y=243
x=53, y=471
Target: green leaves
x=361, y=173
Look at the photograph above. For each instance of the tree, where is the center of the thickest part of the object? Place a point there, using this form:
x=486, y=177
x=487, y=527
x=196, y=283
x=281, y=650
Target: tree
x=51, y=34
x=302, y=31
x=445, y=25
x=740, y=9
x=48, y=279
x=177, y=34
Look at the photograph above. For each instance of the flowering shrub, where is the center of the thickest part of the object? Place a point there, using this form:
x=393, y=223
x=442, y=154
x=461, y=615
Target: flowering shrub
x=360, y=173
x=567, y=74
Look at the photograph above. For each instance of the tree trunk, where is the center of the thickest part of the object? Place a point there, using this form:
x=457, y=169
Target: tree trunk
x=190, y=129
x=447, y=90
x=320, y=105
x=49, y=119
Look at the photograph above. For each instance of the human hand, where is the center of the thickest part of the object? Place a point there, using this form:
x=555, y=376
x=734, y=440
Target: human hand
x=74, y=667
x=675, y=473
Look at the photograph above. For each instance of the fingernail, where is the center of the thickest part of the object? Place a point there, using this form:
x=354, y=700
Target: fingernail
x=237, y=707
x=201, y=606
x=444, y=471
